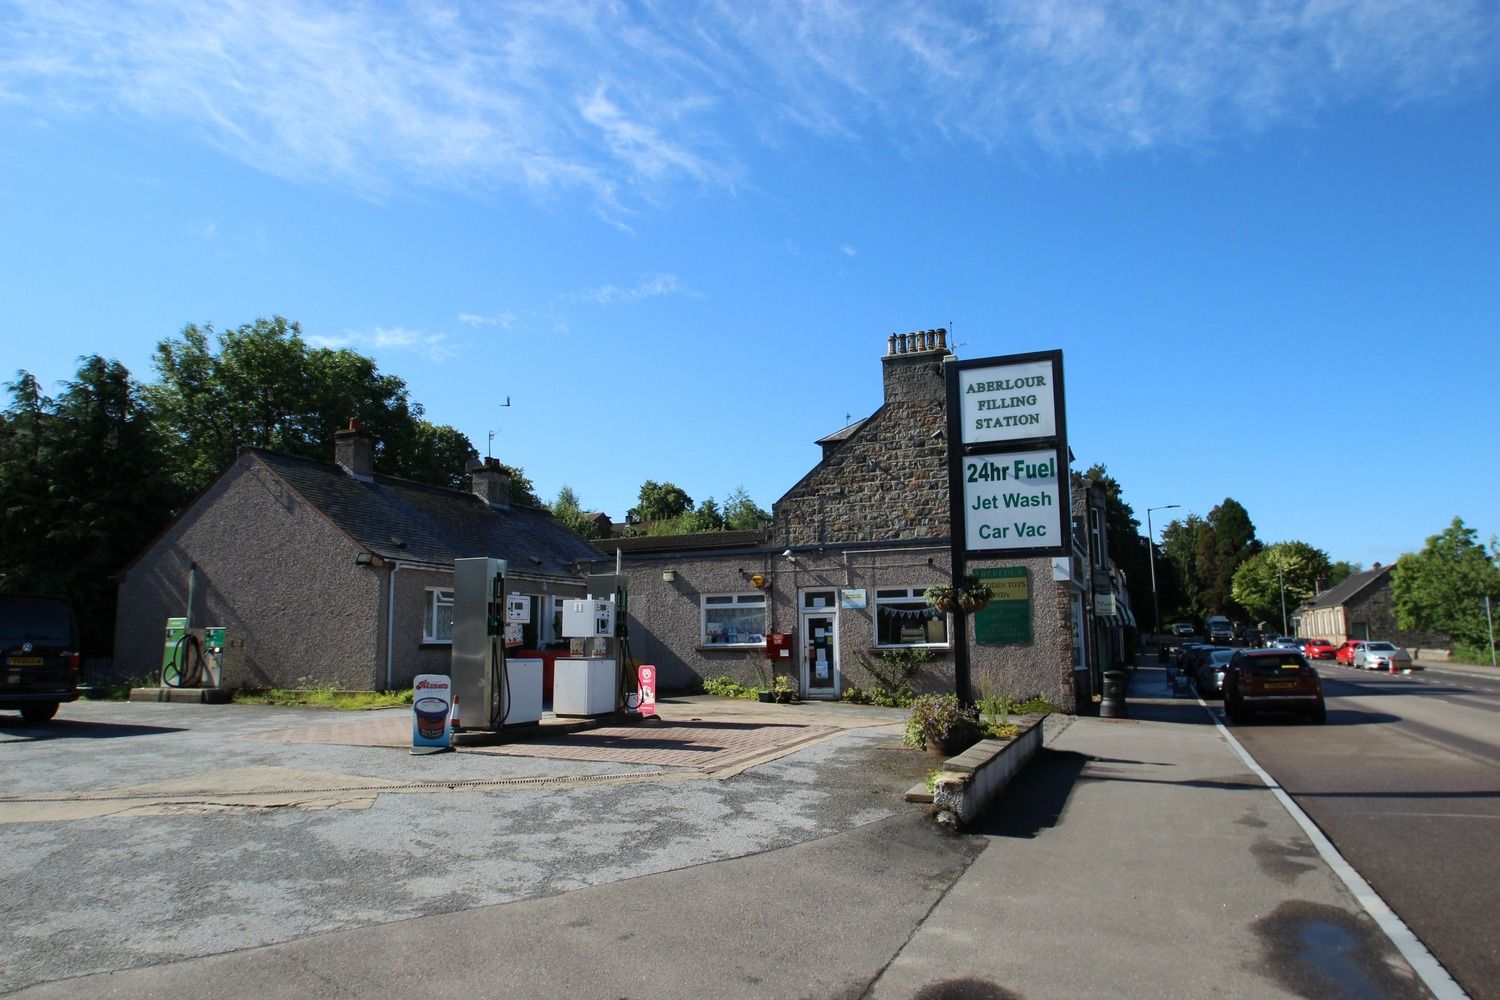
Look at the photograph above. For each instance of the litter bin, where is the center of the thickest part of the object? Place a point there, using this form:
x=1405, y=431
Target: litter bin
x=1113, y=704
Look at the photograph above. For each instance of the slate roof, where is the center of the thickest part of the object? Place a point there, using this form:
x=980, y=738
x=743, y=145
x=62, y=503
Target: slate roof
x=1356, y=582
x=698, y=541
x=843, y=433
x=412, y=522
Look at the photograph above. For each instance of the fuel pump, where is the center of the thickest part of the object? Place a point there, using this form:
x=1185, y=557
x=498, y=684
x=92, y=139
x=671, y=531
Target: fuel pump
x=493, y=690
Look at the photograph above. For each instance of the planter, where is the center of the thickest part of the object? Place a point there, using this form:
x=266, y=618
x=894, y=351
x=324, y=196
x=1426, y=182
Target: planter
x=765, y=697
x=955, y=742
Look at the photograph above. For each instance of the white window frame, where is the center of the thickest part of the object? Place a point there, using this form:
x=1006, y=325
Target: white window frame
x=753, y=600
x=909, y=595
x=432, y=602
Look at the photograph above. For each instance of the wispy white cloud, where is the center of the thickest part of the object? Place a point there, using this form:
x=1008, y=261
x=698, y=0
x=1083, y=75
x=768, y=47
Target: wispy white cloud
x=432, y=346
x=502, y=320
x=647, y=288
x=624, y=102
x=847, y=250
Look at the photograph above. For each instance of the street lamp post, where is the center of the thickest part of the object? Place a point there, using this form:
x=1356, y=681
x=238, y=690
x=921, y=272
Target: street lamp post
x=1281, y=582
x=1151, y=540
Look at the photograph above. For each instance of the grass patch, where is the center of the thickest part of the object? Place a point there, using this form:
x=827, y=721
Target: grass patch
x=325, y=697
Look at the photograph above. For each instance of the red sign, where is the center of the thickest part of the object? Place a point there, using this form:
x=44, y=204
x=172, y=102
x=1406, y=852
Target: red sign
x=647, y=675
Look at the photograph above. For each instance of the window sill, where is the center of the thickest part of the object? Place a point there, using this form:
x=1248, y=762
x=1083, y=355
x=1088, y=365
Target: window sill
x=930, y=647
x=725, y=647
x=435, y=644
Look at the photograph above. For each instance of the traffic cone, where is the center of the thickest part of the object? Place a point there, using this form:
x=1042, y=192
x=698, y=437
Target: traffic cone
x=453, y=722
x=1392, y=662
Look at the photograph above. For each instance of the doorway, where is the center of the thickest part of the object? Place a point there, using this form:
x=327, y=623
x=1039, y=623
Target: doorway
x=819, y=621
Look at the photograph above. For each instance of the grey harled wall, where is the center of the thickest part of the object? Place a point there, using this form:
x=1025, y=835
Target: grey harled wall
x=300, y=606
x=665, y=618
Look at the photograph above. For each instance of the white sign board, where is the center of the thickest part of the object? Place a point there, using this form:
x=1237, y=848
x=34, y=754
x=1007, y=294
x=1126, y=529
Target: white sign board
x=518, y=609
x=1007, y=402
x=1013, y=500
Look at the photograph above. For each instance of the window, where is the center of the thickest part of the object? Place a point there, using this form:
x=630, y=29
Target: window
x=904, y=618
x=437, y=625
x=734, y=620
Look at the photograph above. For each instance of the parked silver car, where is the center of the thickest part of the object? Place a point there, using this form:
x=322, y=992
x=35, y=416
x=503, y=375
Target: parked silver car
x=1377, y=654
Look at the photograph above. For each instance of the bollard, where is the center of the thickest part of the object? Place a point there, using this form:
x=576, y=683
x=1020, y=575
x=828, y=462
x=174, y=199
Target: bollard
x=1113, y=704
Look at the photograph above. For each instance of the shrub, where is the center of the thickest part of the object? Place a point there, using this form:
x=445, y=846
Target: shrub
x=892, y=671
x=939, y=720
x=724, y=687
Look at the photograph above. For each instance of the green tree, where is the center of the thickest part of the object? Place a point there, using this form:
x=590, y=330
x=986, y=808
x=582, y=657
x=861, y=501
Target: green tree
x=705, y=517
x=25, y=495
x=570, y=513
x=659, y=502
x=1443, y=587
x=1230, y=541
x=1340, y=571
x=1180, y=588
x=742, y=514
x=84, y=489
x=261, y=385
x=1259, y=581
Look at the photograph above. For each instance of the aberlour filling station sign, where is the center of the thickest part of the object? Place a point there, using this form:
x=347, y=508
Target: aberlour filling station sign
x=1008, y=456
x=1008, y=492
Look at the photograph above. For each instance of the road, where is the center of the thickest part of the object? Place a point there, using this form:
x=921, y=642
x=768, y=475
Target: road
x=1405, y=780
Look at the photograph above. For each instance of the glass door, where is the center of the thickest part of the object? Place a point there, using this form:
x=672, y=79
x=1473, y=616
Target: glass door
x=820, y=644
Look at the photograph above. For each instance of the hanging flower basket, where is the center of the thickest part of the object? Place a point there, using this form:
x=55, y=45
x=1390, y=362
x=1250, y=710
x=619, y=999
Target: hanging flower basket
x=942, y=597
x=975, y=595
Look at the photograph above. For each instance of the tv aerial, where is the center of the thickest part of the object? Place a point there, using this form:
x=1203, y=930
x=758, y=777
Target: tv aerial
x=489, y=448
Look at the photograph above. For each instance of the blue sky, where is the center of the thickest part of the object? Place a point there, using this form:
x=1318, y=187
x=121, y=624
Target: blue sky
x=1266, y=236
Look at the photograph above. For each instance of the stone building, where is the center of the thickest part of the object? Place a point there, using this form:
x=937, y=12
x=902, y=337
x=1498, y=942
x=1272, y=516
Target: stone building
x=842, y=570
x=1363, y=607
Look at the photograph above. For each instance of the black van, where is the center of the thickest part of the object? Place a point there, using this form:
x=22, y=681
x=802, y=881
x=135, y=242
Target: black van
x=39, y=658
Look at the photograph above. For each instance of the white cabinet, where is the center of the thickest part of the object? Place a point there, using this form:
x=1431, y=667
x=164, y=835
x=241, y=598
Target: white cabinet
x=583, y=687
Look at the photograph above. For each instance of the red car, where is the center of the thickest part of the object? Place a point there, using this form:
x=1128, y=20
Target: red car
x=1345, y=653
x=1319, y=649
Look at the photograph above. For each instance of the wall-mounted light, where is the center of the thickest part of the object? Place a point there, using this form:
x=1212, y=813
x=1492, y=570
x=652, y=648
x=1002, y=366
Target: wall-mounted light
x=668, y=576
x=363, y=558
x=757, y=580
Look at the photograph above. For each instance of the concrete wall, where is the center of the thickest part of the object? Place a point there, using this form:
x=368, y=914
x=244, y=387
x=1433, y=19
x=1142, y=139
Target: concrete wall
x=273, y=571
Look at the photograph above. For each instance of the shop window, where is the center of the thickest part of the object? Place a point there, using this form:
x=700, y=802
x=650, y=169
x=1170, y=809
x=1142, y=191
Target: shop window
x=904, y=618
x=734, y=620
x=437, y=625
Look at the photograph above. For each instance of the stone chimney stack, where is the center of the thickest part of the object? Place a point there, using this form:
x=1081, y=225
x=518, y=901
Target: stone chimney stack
x=491, y=482
x=912, y=368
x=354, y=449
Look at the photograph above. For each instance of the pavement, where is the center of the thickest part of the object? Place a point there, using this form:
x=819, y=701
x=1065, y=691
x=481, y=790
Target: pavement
x=1136, y=856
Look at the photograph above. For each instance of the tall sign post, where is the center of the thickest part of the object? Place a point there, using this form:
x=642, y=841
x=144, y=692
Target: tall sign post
x=1008, y=487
